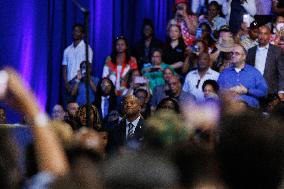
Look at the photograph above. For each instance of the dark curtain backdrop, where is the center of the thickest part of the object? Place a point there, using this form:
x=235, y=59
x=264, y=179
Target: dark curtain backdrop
x=34, y=34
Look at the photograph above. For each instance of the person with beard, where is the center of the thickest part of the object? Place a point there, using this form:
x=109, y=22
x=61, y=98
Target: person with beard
x=72, y=108
x=195, y=79
x=143, y=48
x=130, y=131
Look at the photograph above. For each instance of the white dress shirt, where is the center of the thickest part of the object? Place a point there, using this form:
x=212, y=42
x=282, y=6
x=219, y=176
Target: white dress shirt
x=193, y=83
x=134, y=123
x=260, y=58
x=104, y=111
x=72, y=58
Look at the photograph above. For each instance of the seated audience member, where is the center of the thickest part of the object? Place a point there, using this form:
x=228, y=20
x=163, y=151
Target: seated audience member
x=222, y=57
x=106, y=100
x=78, y=86
x=130, y=131
x=278, y=37
x=161, y=91
x=268, y=59
x=143, y=97
x=72, y=108
x=214, y=18
x=154, y=71
x=58, y=113
x=248, y=36
x=195, y=79
x=143, y=48
x=173, y=53
x=206, y=36
x=119, y=64
x=95, y=122
x=193, y=52
x=2, y=116
x=186, y=20
x=278, y=7
x=246, y=144
x=239, y=8
x=243, y=79
x=131, y=85
x=176, y=92
x=210, y=89
x=168, y=103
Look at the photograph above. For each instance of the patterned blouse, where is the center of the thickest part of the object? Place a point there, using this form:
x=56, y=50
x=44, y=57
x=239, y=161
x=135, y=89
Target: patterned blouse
x=118, y=74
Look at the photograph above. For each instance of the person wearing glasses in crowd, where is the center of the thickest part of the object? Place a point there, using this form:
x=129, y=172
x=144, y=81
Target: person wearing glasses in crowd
x=243, y=80
x=119, y=64
x=195, y=79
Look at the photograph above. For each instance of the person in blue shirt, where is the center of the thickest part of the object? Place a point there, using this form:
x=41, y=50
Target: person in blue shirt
x=243, y=80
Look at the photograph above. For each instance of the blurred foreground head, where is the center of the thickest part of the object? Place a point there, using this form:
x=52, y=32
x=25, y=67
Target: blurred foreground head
x=139, y=171
x=251, y=151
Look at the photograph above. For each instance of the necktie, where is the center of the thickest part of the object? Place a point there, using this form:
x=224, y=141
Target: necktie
x=130, y=130
x=106, y=104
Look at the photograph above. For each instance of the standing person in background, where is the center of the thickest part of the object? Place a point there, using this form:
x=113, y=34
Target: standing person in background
x=143, y=48
x=73, y=56
x=239, y=8
x=173, y=54
x=119, y=64
x=200, y=6
x=214, y=18
x=278, y=7
x=186, y=20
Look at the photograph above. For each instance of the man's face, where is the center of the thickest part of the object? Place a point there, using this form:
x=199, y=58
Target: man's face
x=175, y=85
x=213, y=11
x=72, y=109
x=156, y=58
x=121, y=46
x=263, y=36
x=148, y=31
x=131, y=105
x=203, y=62
x=106, y=87
x=253, y=33
x=142, y=98
x=238, y=55
x=58, y=113
x=77, y=33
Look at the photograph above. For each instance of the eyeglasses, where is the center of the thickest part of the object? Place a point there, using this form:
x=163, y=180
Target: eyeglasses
x=197, y=84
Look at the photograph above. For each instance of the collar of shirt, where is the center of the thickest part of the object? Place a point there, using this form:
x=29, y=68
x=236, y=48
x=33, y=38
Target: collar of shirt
x=105, y=97
x=263, y=48
x=79, y=44
x=135, y=122
x=208, y=72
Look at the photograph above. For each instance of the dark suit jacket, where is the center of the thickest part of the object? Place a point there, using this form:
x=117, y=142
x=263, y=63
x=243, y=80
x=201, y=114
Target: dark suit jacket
x=274, y=67
x=119, y=133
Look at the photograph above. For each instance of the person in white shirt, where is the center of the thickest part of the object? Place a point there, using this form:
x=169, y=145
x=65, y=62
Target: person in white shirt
x=195, y=79
x=198, y=5
x=74, y=55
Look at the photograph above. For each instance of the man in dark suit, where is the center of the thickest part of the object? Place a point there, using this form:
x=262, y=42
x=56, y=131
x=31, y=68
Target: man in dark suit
x=269, y=60
x=130, y=131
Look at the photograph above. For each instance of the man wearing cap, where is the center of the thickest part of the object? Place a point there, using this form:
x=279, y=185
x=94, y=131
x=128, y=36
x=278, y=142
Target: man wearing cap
x=249, y=39
x=243, y=80
x=269, y=60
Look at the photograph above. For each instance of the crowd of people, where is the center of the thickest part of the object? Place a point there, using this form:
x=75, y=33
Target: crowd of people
x=204, y=109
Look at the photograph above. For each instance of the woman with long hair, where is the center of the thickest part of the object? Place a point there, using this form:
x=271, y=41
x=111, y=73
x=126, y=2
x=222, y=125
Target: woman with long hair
x=119, y=64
